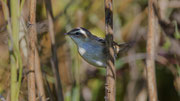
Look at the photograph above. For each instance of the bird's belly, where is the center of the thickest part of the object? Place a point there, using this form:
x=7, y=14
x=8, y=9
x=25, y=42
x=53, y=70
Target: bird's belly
x=93, y=54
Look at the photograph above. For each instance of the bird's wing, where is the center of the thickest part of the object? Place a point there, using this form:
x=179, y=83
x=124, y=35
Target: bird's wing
x=117, y=47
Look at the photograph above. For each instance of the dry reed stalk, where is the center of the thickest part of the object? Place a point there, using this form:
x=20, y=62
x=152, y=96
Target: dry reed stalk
x=150, y=65
x=39, y=78
x=31, y=54
x=110, y=86
x=35, y=60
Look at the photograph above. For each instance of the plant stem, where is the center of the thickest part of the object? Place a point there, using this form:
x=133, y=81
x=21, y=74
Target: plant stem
x=15, y=56
x=110, y=89
x=150, y=68
x=32, y=51
x=54, y=59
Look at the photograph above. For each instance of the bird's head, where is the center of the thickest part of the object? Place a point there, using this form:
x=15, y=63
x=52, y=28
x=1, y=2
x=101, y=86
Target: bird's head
x=79, y=35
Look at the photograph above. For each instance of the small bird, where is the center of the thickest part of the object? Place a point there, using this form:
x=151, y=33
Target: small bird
x=92, y=48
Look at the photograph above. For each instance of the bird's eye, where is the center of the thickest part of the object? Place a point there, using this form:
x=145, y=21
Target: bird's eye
x=77, y=33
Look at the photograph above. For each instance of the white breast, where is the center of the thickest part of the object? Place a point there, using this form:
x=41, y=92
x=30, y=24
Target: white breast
x=82, y=51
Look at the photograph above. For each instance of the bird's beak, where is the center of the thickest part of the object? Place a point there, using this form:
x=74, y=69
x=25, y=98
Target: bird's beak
x=66, y=33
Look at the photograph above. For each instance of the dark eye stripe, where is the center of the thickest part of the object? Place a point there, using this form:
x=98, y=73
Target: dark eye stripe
x=101, y=40
x=77, y=33
x=74, y=30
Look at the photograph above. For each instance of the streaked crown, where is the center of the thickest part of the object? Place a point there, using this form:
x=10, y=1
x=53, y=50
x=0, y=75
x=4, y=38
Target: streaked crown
x=79, y=32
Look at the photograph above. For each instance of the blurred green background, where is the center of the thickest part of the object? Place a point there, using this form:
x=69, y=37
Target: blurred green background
x=83, y=82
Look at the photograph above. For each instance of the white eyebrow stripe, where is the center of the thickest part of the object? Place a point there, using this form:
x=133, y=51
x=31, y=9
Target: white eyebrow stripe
x=83, y=32
x=75, y=31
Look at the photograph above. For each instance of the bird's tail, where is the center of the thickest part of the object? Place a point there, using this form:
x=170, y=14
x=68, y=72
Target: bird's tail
x=119, y=48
